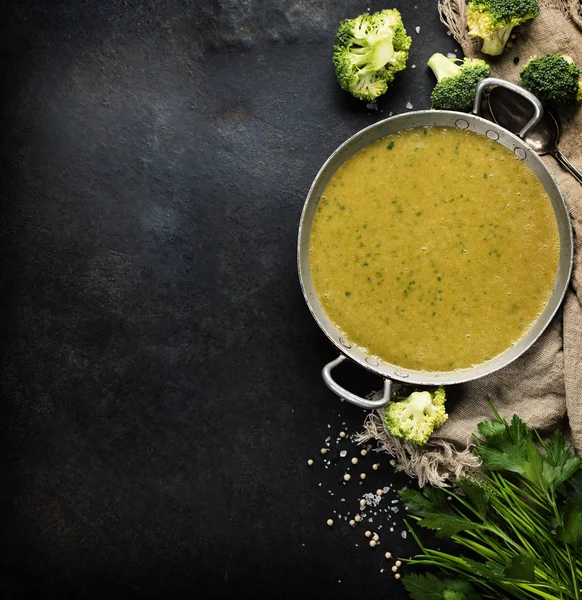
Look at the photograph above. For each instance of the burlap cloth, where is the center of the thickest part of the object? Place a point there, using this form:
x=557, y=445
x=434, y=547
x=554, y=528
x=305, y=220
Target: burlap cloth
x=544, y=386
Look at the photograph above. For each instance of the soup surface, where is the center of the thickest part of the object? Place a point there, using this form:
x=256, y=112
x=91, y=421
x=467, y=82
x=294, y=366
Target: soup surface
x=434, y=249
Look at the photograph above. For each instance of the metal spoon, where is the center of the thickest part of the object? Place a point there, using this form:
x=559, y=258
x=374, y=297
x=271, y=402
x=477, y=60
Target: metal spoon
x=512, y=111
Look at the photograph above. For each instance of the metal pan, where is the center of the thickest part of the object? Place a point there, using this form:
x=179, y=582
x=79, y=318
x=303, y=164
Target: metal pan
x=426, y=118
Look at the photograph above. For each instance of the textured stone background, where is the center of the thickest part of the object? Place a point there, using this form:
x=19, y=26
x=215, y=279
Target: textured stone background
x=160, y=387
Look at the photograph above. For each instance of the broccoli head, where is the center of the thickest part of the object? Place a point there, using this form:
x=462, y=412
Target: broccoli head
x=457, y=81
x=554, y=79
x=417, y=416
x=493, y=20
x=368, y=52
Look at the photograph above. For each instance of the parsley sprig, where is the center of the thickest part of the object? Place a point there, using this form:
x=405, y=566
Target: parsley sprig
x=517, y=522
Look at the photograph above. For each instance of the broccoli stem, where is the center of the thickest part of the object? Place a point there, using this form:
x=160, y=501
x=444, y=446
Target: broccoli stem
x=382, y=52
x=442, y=66
x=495, y=44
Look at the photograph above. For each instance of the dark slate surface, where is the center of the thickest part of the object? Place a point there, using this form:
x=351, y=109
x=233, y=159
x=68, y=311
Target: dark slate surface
x=160, y=387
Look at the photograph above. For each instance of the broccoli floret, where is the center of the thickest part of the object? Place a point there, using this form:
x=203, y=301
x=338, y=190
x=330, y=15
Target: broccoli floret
x=493, y=20
x=554, y=79
x=417, y=416
x=457, y=81
x=368, y=52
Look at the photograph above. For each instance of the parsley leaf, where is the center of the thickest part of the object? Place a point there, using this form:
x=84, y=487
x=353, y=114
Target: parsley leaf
x=571, y=532
x=521, y=567
x=430, y=587
x=477, y=496
x=446, y=525
x=560, y=461
x=425, y=503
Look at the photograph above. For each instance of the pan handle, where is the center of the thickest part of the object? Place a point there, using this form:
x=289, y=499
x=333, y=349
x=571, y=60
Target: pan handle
x=349, y=396
x=537, y=105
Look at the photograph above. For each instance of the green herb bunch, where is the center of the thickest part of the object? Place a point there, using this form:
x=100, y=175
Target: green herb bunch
x=517, y=523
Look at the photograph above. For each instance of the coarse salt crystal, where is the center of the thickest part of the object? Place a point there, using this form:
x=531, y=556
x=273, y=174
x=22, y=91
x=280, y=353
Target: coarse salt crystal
x=413, y=67
x=417, y=29
x=386, y=489
x=404, y=534
x=343, y=453
x=409, y=105
x=451, y=55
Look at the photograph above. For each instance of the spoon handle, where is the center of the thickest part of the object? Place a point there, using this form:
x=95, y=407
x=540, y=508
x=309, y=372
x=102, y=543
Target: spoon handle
x=567, y=165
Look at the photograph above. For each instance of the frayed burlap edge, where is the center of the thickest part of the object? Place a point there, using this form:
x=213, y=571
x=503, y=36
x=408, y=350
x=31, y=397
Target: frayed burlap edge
x=435, y=463
x=453, y=14
x=572, y=9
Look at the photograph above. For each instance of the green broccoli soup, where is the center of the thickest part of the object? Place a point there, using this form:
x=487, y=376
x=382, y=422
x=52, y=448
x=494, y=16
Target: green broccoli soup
x=434, y=249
